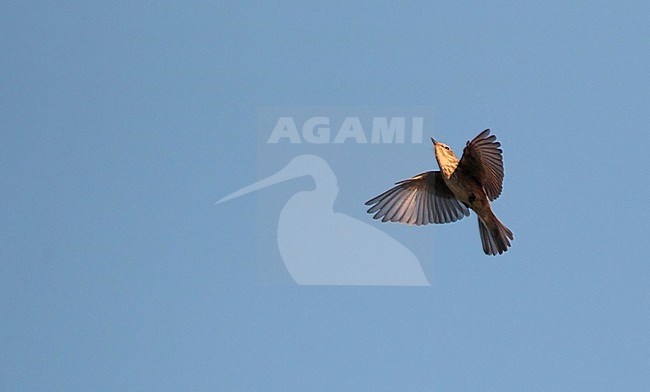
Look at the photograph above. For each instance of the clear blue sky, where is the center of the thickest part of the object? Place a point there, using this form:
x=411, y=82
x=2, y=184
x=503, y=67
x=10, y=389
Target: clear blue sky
x=122, y=123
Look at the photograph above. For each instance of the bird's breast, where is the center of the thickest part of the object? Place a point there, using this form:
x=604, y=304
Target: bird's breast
x=465, y=188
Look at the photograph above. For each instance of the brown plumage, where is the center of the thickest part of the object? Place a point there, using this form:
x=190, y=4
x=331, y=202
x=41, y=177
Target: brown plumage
x=447, y=195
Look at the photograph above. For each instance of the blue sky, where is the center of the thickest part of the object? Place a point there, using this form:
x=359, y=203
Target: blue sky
x=122, y=123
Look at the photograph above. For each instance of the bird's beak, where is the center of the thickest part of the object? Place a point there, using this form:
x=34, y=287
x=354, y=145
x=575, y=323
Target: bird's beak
x=285, y=174
x=434, y=141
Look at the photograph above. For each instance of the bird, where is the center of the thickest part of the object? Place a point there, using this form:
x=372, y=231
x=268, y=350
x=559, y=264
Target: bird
x=447, y=195
x=320, y=246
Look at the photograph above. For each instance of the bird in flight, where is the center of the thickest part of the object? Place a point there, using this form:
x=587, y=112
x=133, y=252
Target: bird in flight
x=447, y=195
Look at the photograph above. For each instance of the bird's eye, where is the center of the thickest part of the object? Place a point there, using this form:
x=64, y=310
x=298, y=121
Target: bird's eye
x=446, y=148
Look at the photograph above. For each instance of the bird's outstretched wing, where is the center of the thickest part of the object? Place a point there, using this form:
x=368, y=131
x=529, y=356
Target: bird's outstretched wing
x=483, y=160
x=420, y=200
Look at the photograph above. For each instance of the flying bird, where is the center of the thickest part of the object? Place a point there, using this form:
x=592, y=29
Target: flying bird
x=447, y=195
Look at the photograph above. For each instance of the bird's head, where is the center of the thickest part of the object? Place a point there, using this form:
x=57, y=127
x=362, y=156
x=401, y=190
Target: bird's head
x=444, y=154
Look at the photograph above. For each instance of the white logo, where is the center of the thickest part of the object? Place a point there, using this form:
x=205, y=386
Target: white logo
x=317, y=130
x=322, y=247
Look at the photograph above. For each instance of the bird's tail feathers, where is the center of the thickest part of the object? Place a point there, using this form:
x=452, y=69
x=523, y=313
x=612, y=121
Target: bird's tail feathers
x=496, y=239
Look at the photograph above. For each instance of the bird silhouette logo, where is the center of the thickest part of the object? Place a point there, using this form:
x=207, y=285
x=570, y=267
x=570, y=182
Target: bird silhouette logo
x=447, y=195
x=319, y=246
